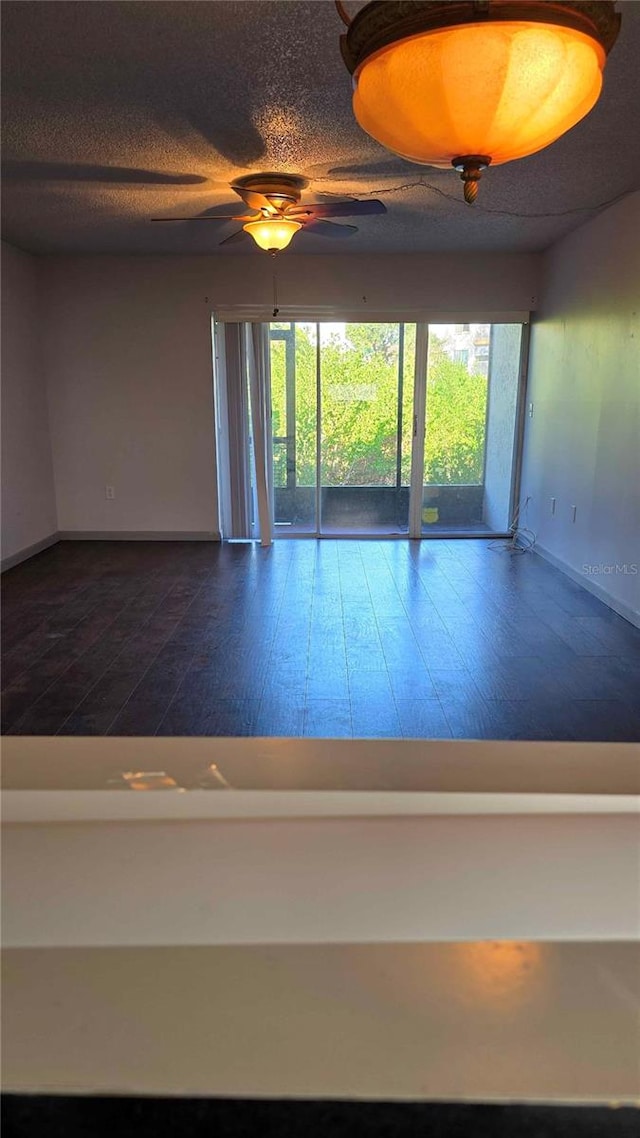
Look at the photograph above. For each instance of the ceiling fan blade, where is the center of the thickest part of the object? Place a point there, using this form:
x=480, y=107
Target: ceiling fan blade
x=253, y=200
x=339, y=209
x=211, y=217
x=239, y=235
x=328, y=229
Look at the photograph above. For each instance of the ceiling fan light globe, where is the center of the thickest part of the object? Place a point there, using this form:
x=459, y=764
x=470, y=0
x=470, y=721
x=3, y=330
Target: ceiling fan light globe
x=272, y=234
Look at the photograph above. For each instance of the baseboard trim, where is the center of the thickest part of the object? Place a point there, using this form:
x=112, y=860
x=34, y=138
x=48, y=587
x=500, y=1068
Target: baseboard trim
x=28, y=551
x=138, y=535
x=591, y=586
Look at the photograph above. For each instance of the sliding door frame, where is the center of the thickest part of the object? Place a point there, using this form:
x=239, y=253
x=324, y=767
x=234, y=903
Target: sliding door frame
x=318, y=495
x=518, y=436
x=419, y=430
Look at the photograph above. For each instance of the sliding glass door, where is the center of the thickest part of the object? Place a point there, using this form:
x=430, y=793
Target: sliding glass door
x=342, y=406
x=394, y=428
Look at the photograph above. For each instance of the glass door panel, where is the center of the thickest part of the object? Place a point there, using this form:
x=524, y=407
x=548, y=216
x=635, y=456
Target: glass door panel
x=471, y=402
x=342, y=413
x=362, y=412
x=406, y=431
x=294, y=420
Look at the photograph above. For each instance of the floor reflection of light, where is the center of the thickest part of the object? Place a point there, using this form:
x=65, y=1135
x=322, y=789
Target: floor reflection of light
x=503, y=973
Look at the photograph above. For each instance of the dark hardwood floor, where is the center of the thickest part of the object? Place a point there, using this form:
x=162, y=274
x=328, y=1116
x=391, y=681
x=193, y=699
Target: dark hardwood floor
x=331, y=638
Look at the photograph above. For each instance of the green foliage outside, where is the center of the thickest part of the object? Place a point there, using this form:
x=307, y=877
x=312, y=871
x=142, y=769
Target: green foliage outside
x=359, y=409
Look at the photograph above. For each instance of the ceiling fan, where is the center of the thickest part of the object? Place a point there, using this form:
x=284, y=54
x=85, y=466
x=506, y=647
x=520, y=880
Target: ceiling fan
x=277, y=212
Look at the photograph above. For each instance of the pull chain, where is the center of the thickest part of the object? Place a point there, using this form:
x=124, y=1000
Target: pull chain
x=275, y=295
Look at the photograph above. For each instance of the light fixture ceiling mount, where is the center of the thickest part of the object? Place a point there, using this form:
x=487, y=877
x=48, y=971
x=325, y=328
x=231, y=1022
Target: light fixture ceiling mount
x=466, y=83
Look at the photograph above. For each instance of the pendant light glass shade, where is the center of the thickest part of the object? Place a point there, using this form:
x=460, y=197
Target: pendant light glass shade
x=503, y=90
x=272, y=233
x=471, y=83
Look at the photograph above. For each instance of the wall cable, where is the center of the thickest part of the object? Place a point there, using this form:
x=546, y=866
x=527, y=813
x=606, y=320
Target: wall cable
x=522, y=538
x=421, y=183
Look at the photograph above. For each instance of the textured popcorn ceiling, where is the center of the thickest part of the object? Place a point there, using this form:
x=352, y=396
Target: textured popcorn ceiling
x=115, y=113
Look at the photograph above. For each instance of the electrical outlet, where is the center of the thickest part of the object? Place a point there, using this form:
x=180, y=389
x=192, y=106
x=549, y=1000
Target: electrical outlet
x=109, y=493
x=574, y=510
x=553, y=506
x=531, y=410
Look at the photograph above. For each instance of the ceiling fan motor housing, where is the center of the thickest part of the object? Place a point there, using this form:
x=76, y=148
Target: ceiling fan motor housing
x=281, y=189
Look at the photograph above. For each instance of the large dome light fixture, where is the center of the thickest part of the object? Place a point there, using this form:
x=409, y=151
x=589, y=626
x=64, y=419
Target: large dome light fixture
x=466, y=83
x=272, y=233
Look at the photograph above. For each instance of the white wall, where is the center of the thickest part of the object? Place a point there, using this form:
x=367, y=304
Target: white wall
x=582, y=445
x=28, y=501
x=128, y=350
x=129, y=370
